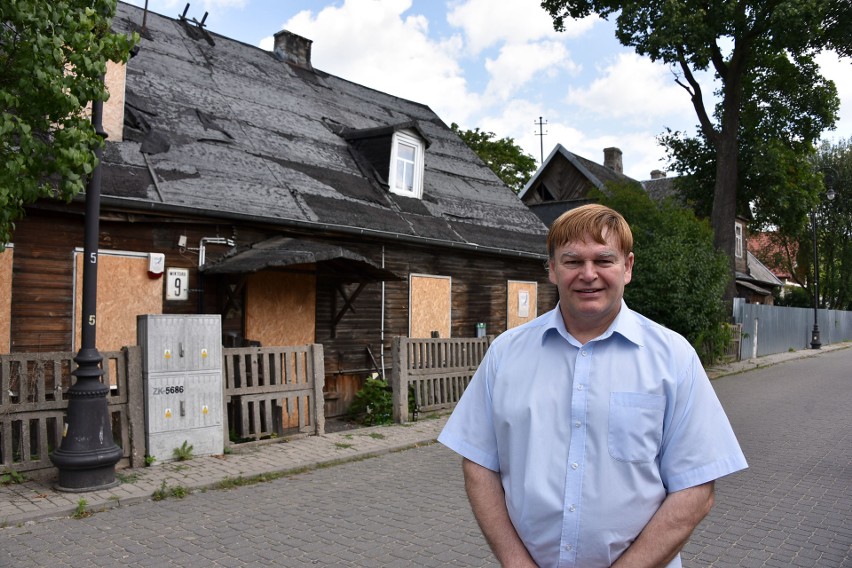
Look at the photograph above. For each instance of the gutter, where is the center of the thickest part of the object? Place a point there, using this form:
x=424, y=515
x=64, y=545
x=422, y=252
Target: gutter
x=150, y=206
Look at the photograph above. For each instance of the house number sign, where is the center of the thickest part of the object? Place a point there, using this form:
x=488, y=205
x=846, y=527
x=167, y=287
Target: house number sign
x=177, y=284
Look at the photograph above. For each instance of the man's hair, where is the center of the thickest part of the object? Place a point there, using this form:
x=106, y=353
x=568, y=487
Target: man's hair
x=590, y=220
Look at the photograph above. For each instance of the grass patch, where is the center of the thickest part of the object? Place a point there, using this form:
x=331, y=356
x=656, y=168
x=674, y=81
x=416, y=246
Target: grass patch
x=81, y=512
x=184, y=452
x=164, y=492
x=128, y=477
x=12, y=477
x=342, y=446
x=234, y=482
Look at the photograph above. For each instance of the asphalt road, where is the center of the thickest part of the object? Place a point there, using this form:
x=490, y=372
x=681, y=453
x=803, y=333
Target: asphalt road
x=792, y=507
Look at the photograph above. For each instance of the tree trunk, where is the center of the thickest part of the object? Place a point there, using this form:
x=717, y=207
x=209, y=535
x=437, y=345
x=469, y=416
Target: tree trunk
x=723, y=215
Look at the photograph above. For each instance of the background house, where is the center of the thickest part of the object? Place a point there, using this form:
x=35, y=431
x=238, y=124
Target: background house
x=565, y=179
x=779, y=256
x=300, y=206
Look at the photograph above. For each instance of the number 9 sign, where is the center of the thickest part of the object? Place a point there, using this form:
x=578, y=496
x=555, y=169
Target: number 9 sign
x=177, y=284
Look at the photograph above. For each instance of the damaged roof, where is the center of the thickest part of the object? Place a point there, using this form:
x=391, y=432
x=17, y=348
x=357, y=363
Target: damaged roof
x=217, y=128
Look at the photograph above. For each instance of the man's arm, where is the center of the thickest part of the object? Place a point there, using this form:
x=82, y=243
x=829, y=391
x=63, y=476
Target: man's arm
x=485, y=493
x=669, y=529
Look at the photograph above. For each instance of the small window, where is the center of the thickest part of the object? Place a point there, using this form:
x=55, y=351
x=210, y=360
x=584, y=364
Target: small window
x=406, y=167
x=738, y=232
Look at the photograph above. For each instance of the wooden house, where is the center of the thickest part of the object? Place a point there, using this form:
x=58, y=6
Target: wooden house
x=565, y=179
x=302, y=207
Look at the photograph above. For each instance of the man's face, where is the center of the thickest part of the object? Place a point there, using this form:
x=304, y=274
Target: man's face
x=590, y=278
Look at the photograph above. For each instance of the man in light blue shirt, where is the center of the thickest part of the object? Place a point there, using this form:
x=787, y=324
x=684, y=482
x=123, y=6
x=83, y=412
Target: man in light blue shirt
x=591, y=436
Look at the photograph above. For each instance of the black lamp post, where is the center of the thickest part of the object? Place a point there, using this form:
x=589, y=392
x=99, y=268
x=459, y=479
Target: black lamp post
x=87, y=454
x=815, y=339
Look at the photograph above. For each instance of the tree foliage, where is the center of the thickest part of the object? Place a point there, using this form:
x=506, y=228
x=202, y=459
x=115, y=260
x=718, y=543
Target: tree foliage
x=753, y=146
x=52, y=59
x=834, y=225
x=791, y=249
x=503, y=156
x=678, y=275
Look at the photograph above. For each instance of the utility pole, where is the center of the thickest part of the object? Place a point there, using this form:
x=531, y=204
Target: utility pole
x=541, y=134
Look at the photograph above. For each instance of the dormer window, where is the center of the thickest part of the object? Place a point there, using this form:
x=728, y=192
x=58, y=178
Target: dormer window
x=406, y=165
x=396, y=154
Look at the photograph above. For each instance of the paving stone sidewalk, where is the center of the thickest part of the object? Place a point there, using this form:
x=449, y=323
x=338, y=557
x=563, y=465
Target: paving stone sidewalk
x=32, y=500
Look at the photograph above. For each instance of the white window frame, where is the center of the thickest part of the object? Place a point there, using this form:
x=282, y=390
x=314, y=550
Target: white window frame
x=408, y=138
x=738, y=235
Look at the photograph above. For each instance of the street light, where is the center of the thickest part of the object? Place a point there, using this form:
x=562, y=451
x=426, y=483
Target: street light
x=815, y=340
x=87, y=454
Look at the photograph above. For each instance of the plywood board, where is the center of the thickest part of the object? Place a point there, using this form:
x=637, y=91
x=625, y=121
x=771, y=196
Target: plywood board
x=7, y=254
x=281, y=308
x=124, y=292
x=113, y=118
x=522, y=302
x=430, y=306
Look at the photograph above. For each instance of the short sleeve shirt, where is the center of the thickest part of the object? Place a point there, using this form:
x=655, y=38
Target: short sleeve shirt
x=589, y=439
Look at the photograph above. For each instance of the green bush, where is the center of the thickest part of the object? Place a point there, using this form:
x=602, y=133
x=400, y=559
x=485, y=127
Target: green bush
x=373, y=404
x=679, y=278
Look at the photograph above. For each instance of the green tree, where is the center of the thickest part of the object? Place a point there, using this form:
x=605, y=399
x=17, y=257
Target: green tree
x=52, y=59
x=772, y=99
x=791, y=249
x=834, y=225
x=678, y=276
x=503, y=156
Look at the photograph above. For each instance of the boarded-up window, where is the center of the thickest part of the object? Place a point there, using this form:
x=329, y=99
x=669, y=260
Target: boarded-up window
x=522, y=302
x=430, y=307
x=124, y=291
x=6, y=256
x=281, y=308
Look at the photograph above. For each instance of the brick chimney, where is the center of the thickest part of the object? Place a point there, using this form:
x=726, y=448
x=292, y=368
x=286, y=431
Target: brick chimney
x=658, y=174
x=293, y=49
x=612, y=159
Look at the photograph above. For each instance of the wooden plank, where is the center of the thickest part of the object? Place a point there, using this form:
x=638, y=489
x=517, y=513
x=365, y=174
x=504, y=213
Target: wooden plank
x=272, y=389
x=244, y=417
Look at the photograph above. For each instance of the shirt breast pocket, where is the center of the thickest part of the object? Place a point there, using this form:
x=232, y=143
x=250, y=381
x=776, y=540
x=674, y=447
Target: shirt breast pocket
x=635, y=425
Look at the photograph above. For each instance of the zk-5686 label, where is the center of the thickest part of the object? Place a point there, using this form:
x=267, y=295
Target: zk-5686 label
x=168, y=390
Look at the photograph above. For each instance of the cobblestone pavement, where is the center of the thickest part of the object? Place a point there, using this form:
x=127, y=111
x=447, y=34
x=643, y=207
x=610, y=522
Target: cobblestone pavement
x=793, y=506
x=406, y=507
x=400, y=509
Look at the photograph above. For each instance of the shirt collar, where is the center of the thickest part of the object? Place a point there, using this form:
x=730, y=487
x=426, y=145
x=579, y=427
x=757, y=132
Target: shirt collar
x=627, y=324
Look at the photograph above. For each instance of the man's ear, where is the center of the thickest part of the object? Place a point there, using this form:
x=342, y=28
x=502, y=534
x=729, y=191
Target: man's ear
x=628, y=268
x=551, y=272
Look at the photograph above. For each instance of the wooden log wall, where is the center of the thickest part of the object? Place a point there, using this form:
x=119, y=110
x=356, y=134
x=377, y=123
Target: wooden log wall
x=43, y=295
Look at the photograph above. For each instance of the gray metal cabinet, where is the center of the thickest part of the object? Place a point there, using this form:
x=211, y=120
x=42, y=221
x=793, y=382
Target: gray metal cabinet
x=182, y=370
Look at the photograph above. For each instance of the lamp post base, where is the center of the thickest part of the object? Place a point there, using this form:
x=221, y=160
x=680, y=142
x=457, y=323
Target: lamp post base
x=815, y=342
x=87, y=454
x=85, y=477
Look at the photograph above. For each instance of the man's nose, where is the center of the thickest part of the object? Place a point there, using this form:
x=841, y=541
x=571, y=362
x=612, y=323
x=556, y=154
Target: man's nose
x=589, y=271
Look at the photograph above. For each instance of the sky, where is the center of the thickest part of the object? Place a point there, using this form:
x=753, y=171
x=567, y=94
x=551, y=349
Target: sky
x=496, y=65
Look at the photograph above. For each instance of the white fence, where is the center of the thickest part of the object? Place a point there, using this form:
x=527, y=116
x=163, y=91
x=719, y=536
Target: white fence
x=777, y=329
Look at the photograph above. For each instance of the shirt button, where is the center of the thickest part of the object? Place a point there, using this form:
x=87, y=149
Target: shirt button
x=572, y=508
x=568, y=547
x=580, y=387
x=583, y=353
x=574, y=466
x=577, y=424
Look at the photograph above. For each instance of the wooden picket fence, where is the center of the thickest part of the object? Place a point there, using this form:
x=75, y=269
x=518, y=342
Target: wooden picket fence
x=435, y=371
x=273, y=391
x=34, y=402
x=269, y=392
